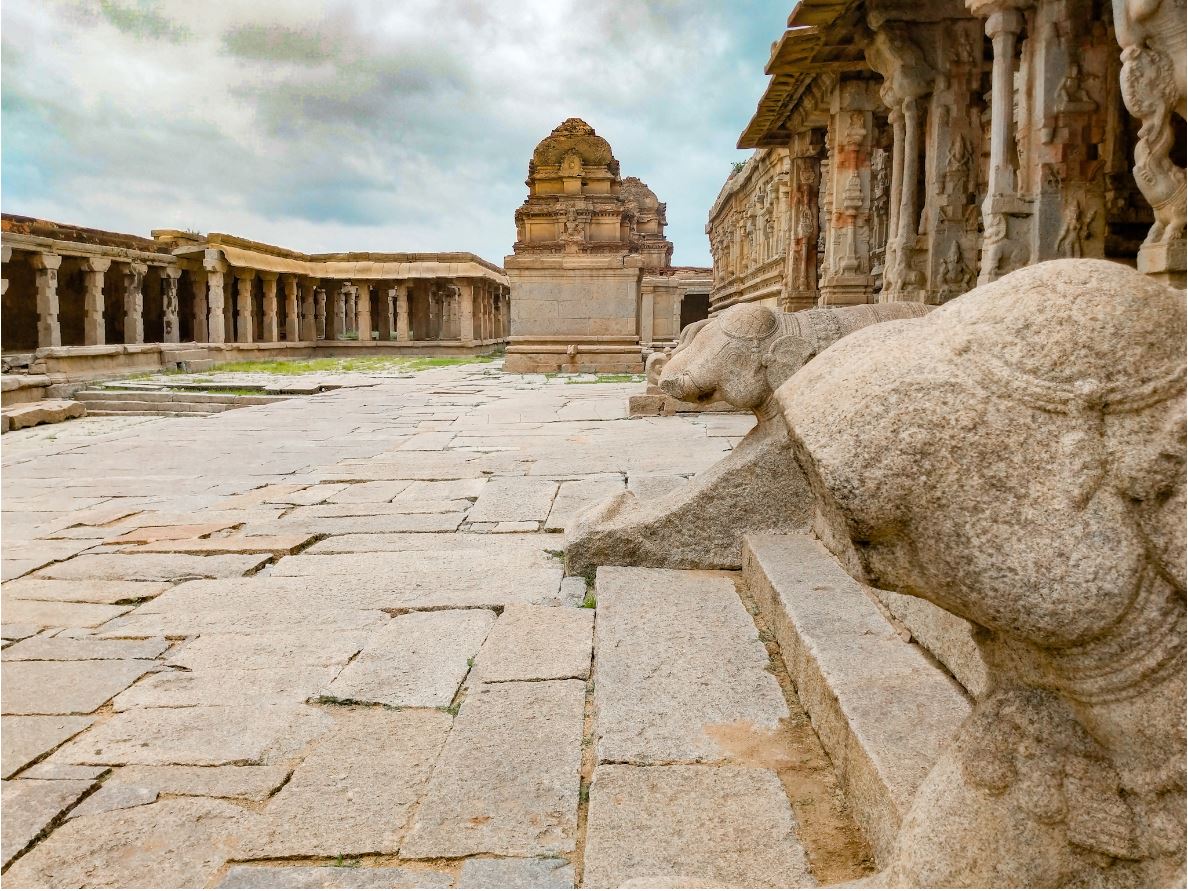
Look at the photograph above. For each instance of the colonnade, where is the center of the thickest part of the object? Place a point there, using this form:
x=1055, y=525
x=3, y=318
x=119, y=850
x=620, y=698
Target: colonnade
x=99, y=299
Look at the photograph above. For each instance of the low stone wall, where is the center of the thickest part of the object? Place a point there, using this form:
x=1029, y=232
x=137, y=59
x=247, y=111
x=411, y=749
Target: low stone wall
x=57, y=372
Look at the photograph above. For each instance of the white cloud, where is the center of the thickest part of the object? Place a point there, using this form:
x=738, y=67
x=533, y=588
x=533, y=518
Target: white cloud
x=364, y=125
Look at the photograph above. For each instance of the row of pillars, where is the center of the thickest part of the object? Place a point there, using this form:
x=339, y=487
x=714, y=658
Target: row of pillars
x=468, y=311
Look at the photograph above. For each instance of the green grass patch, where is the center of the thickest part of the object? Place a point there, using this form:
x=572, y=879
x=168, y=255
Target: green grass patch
x=590, y=601
x=364, y=364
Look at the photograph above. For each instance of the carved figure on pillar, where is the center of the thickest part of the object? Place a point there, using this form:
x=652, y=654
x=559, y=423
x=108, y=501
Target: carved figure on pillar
x=169, y=304
x=133, y=291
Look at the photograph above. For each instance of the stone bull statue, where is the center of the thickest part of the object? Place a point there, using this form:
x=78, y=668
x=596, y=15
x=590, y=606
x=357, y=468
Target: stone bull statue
x=1018, y=458
x=739, y=357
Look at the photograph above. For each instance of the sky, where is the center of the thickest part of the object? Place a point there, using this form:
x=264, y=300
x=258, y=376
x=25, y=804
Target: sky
x=365, y=125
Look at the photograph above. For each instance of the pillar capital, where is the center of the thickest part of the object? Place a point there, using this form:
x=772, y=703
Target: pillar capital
x=1001, y=18
x=244, y=274
x=267, y=275
x=46, y=261
x=212, y=261
x=135, y=267
x=172, y=272
x=95, y=264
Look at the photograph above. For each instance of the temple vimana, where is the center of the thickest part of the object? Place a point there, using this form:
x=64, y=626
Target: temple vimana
x=857, y=559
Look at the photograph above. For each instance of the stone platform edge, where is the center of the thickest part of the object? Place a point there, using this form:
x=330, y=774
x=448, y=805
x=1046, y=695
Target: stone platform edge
x=883, y=709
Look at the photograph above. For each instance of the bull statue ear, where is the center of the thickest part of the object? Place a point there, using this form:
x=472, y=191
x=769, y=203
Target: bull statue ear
x=786, y=356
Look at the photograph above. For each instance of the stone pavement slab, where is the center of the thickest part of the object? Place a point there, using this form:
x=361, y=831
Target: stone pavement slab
x=177, y=843
x=83, y=590
x=59, y=614
x=284, y=543
x=29, y=806
x=365, y=493
x=231, y=686
x=148, y=534
x=576, y=495
x=677, y=659
x=153, y=567
x=516, y=872
x=24, y=738
x=333, y=877
x=691, y=826
x=79, y=648
x=355, y=791
x=252, y=782
x=507, y=780
x=537, y=643
x=60, y=688
x=514, y=499
x=271, y=648
x=208, y=735
x=416, y=660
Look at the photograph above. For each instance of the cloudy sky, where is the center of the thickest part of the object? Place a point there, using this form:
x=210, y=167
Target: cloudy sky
x=328, y=125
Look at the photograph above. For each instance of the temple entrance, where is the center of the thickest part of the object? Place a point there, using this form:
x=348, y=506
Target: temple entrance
x=694, y=308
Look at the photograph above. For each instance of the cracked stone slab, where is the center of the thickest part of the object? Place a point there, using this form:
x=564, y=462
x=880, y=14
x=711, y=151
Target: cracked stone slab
x=60, y=614
x=284, y=543
x=205, y=735
x=154, y=567
x=149, y=534
x=263, y=686
x=516, y=872
x=67, y=649
x=114, y=795
x=707, y=826
x=537, y=643
x=176, y=843
x=29, y=806
x=268, y=648
x=510, y=499
x=575, y=495
x=376, y=492
x=252, y=782
x=355, y=791
x=507, y=780
x=112, y=591
x=677, y=655
x=24, y=738
x=333, y=877
x=416, y=660
x=58, y=688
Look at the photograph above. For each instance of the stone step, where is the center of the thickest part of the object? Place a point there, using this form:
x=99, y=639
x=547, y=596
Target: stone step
x=683, y=697
x=165, y=397
x=168, y=408
x=882, y=708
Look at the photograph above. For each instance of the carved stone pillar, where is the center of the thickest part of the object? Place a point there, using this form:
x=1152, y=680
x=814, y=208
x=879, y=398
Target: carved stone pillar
x=292, y=310
x=402, y=327
x=363, y=310
x=1152, y=36
x=49, y=332
x=244, y=323
x=907, y=79
x=5, y=257
x=94, y=327
x=383, y=299
x=320, y=332
x=198, y=286
x=847, y=276
x=309, y=309
x=132, y=288
x=269, y=321
x=466, y=297
x=351, y=312
x=216, y=326
x=170, y=325
x=336, y=322
x=1004, y=211
x=800, y=279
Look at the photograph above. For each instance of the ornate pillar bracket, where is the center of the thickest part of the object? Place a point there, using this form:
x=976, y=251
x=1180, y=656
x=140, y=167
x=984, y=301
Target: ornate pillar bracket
x=170, y=276
x=49, y=332
x=94, y=270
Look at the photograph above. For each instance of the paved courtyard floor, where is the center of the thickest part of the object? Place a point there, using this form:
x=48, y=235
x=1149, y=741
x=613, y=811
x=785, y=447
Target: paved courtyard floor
x=329, y=642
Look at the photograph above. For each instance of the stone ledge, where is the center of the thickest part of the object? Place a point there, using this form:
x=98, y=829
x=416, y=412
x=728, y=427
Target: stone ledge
x=882, y=710
x=48, y=411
